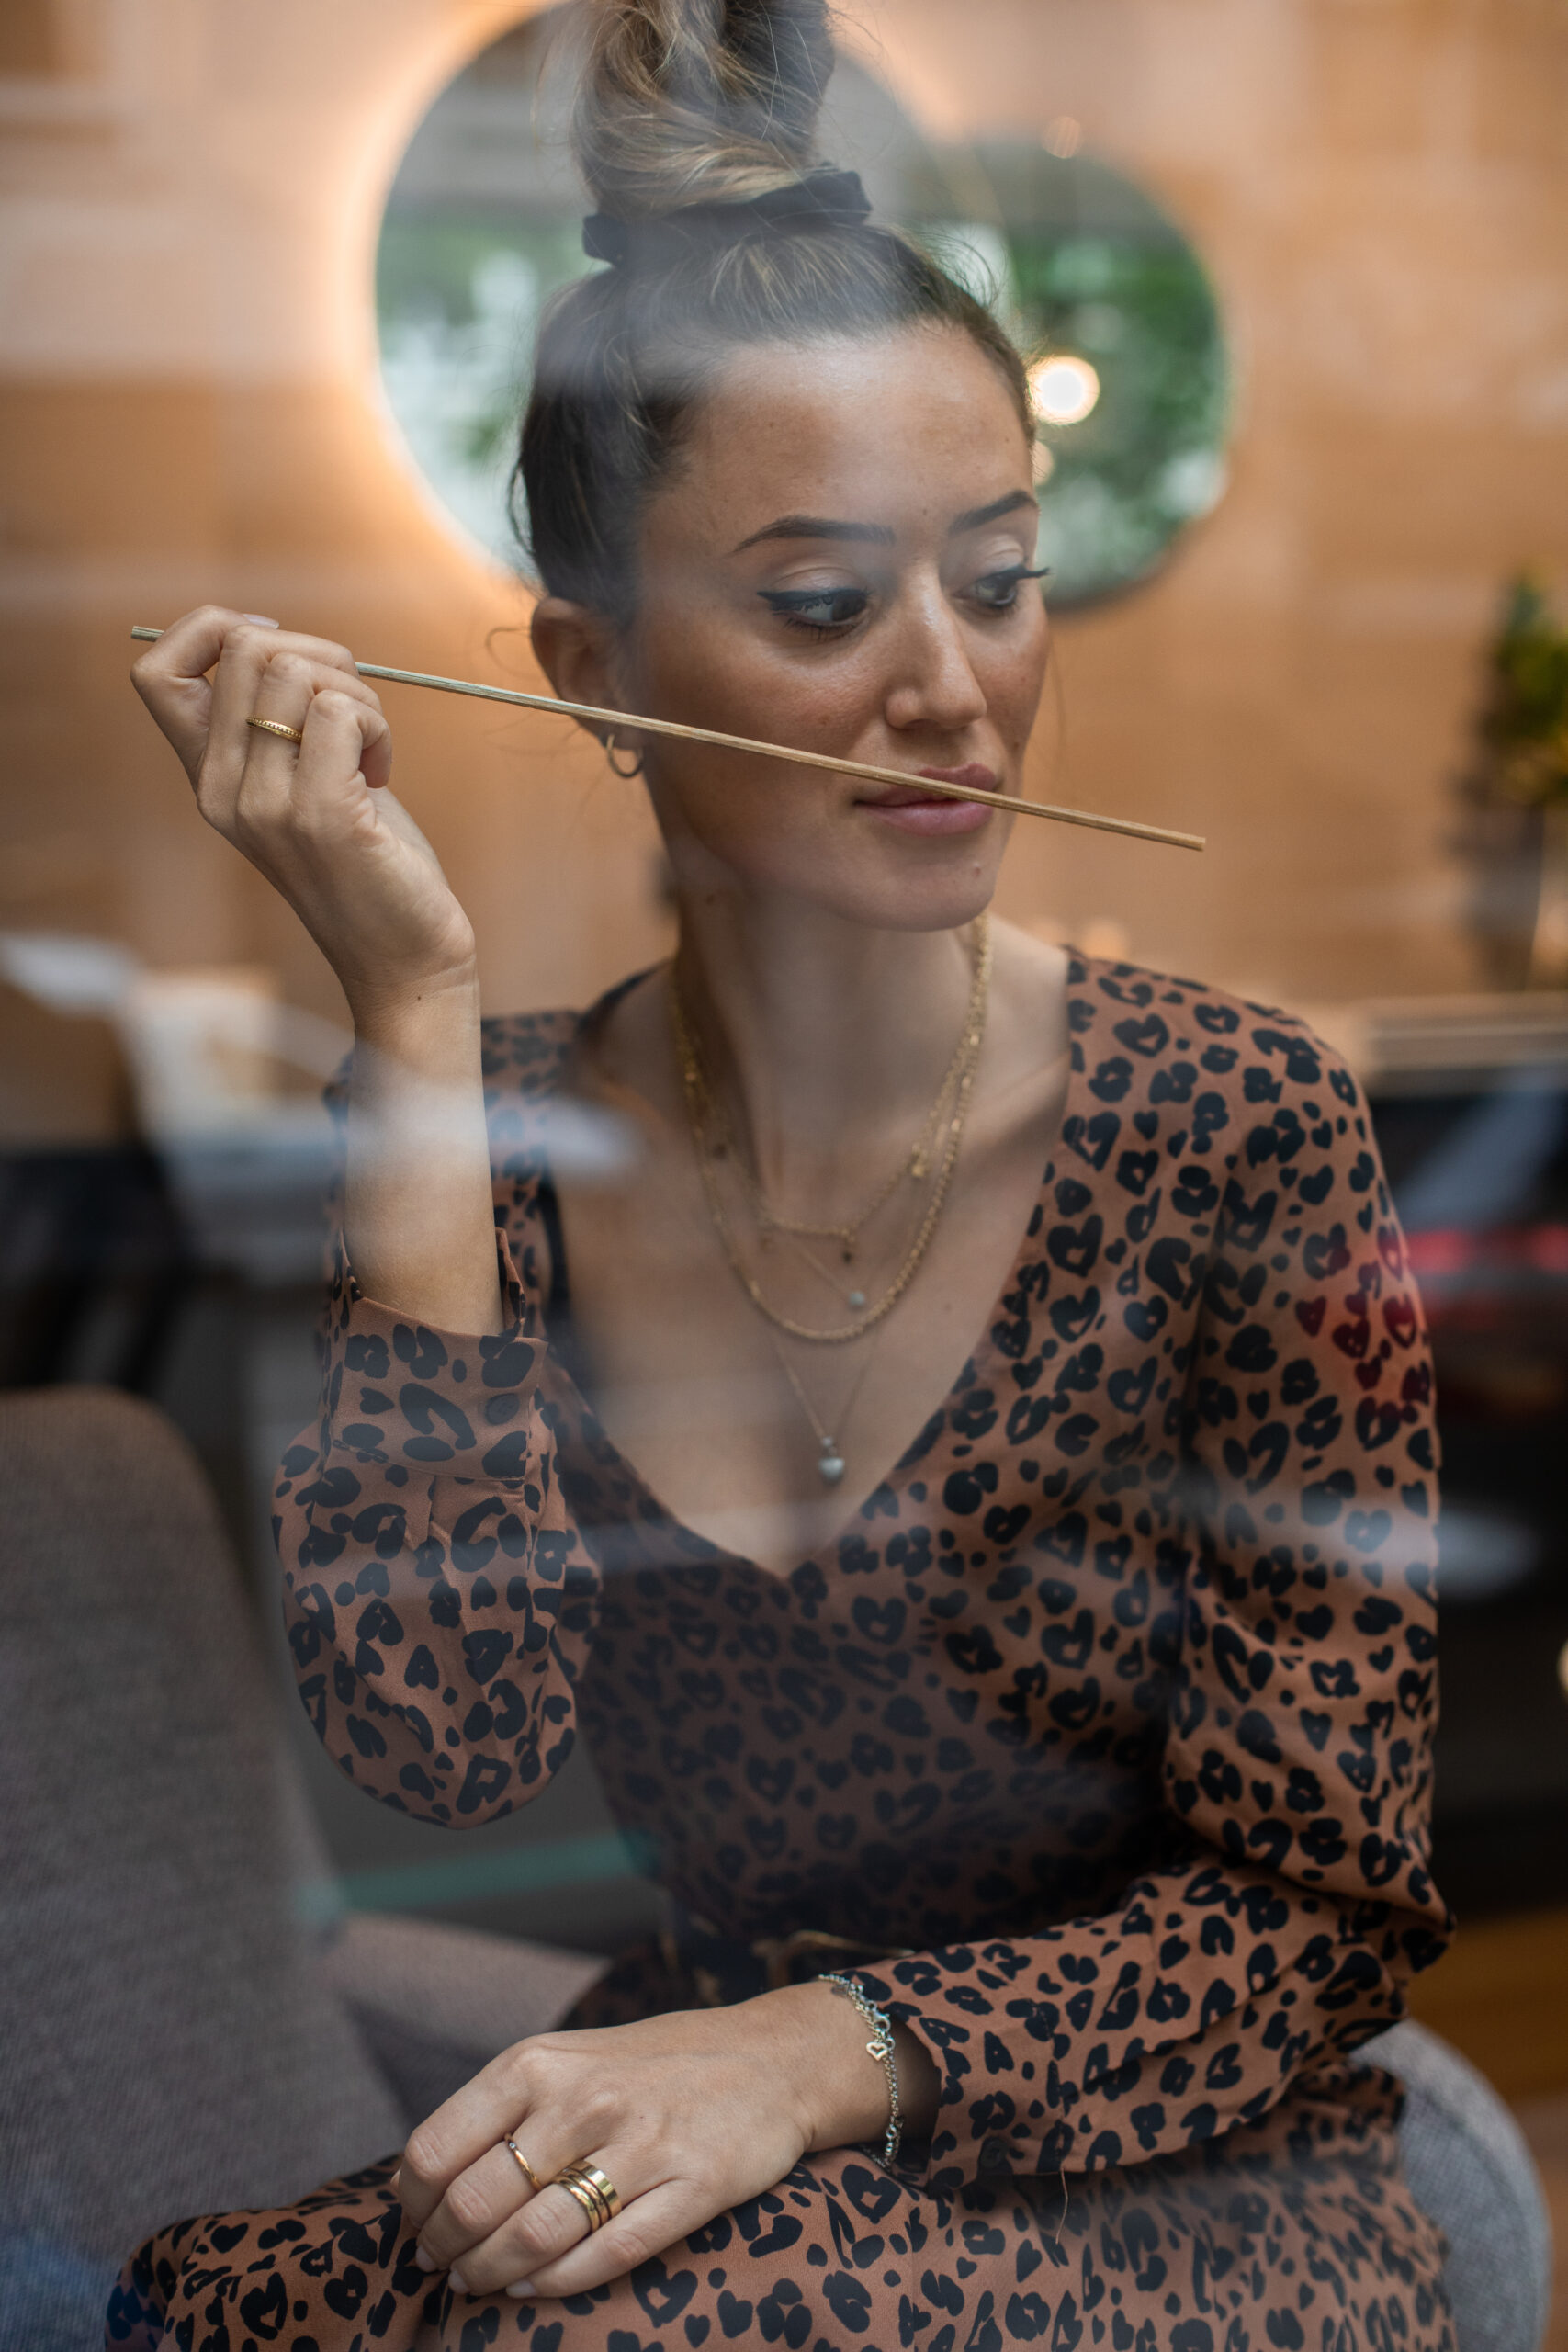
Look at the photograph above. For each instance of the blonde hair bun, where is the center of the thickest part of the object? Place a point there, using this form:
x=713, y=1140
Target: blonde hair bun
x=699, y=102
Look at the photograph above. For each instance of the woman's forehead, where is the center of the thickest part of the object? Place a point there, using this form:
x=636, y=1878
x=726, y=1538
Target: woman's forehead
x=901, y=432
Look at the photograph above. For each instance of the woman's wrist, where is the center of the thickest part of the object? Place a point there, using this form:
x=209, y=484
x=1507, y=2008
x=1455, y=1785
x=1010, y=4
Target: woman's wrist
x=415, y=1020
x=418, y=1211
x=840, y=2089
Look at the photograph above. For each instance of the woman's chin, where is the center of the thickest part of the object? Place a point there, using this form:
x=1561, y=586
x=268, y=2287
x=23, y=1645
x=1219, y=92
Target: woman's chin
x=947, y=882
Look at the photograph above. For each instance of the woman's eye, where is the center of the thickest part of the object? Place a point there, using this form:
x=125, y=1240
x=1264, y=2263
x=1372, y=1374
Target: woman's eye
x=815, y=608
x=997, y=591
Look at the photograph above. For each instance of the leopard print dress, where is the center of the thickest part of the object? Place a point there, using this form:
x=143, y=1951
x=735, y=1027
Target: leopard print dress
x=1111, y=1709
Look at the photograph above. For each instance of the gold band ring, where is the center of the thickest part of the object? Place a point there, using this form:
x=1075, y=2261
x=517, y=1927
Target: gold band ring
x=592, y=2190
x=276, y=726
x=529, y=2175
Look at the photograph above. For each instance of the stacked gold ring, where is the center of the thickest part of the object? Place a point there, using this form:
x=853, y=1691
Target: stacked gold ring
x=592, y=2190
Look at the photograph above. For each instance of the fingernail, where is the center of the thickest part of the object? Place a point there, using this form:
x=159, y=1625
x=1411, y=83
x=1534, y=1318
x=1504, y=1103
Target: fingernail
x=262, y=620
x=425, y=2261
x=455, y=2280
x=521, y=2287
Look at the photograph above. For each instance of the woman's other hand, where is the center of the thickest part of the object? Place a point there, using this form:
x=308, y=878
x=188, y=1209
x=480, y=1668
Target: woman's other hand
x=315, y=817
x=686, y=2114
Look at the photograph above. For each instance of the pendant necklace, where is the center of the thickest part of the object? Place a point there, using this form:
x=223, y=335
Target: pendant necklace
x=829, y=1450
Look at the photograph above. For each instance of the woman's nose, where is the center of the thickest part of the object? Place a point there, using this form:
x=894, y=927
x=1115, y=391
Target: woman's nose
x=935, y=684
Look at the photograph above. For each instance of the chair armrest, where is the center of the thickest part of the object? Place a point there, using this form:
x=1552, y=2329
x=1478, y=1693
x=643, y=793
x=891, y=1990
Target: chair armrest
x=1470, y=2171
x=434, y=2004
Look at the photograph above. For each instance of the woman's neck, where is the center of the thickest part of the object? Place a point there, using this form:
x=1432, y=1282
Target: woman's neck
x=824, y=1040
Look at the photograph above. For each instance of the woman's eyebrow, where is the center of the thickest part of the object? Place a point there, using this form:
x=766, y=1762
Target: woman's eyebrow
x=819, y=526
x=978, y=516
x=881, y=535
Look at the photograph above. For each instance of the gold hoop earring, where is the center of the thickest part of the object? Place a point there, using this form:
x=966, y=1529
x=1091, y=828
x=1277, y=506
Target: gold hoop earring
x=610, y=748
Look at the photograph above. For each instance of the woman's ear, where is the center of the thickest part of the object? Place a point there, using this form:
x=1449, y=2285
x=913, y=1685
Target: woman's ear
x=575, y=647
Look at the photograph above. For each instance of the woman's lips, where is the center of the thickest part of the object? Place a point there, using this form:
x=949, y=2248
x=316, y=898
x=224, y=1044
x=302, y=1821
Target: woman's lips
x=914, y=811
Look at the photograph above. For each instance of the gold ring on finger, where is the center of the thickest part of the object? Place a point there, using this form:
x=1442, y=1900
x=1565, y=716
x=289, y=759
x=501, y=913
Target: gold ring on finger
x=584, y=2197
x=529, y=2175
x=277, y=726
x=592, y=2190
x=604, y=2187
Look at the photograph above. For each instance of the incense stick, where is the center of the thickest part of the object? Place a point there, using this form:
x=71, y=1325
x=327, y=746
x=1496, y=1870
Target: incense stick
x=933, y=785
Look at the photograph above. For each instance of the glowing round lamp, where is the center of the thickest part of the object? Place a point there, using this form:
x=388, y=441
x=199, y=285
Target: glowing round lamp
x=1064, y=388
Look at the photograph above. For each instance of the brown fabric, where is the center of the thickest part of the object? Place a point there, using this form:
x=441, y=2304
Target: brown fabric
x=1113, y=1705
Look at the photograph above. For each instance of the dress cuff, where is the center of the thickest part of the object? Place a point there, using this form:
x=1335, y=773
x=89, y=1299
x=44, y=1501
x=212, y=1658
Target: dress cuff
x=401, y=1392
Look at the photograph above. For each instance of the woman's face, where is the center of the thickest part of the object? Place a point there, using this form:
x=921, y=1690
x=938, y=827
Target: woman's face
x=834, y=562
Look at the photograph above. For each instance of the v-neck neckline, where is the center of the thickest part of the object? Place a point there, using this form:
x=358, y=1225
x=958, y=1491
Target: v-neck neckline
x=694, y=1545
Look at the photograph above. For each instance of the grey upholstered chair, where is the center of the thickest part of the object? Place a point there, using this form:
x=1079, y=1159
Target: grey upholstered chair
x=179, y=2039
x=1468, y=2167
x=178, y=2042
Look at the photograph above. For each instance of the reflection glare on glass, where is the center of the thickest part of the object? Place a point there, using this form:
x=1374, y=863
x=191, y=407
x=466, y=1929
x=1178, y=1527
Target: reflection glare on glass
x=1064, y=388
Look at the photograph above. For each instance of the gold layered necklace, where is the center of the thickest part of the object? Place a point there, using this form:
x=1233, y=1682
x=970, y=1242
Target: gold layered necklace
x=935, y=1146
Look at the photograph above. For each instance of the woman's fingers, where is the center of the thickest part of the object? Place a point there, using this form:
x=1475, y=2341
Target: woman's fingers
x=248, y=651
x=539, y=2080
x=263, y=788
x=458, y=2178
x=204, y=678
x=647, y=2227
x=310, y=814
x=467, y=2127
x=550, y=2234
x=171, y=677
x=488, y=2195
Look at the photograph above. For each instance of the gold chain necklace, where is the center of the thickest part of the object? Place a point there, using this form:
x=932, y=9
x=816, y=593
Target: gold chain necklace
x=915, y=1163
x=960, y=1082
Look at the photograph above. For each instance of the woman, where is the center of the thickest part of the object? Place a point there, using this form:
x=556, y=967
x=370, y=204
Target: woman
x=1045, y=1814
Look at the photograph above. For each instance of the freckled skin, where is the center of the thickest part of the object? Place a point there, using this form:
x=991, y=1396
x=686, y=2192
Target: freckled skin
x=911, y=428
x=1113, y=1703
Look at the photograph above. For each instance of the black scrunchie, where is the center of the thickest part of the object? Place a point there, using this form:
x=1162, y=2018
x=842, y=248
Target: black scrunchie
x=825, y=199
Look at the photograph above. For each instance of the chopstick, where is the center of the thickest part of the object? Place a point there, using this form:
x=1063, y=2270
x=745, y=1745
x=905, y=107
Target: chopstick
x=628, y=718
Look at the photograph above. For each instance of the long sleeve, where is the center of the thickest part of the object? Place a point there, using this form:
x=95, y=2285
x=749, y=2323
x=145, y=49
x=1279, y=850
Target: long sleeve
x=1290, y=1490
x=439, y=1599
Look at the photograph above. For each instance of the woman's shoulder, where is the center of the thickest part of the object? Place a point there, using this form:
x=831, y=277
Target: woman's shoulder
x=523, y=1054
x=539, y=1117
x=1188, y=1037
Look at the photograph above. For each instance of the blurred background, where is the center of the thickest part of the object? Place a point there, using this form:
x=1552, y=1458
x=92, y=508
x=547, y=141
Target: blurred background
x=1292, y=277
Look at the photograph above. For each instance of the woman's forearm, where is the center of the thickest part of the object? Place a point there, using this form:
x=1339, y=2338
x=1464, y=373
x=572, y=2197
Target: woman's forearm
x=417, y=1213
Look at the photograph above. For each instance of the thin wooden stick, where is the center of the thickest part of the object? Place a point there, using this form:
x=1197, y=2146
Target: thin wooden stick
x=933, y=785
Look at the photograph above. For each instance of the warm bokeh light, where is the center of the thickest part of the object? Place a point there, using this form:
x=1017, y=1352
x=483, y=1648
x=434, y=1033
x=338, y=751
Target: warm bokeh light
x=1063, y=388
x=1562, y=1669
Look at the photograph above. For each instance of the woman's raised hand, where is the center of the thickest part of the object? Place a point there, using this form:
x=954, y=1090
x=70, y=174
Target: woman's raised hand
x=685, y=2114
x=315, y=817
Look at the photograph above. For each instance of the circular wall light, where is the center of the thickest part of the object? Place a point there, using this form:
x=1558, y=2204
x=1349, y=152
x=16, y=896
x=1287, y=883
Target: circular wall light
x=1129, y=374
x=1064, y=390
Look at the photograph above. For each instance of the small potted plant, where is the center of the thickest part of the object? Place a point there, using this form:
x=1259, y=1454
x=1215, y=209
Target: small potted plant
x=1516, y=792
